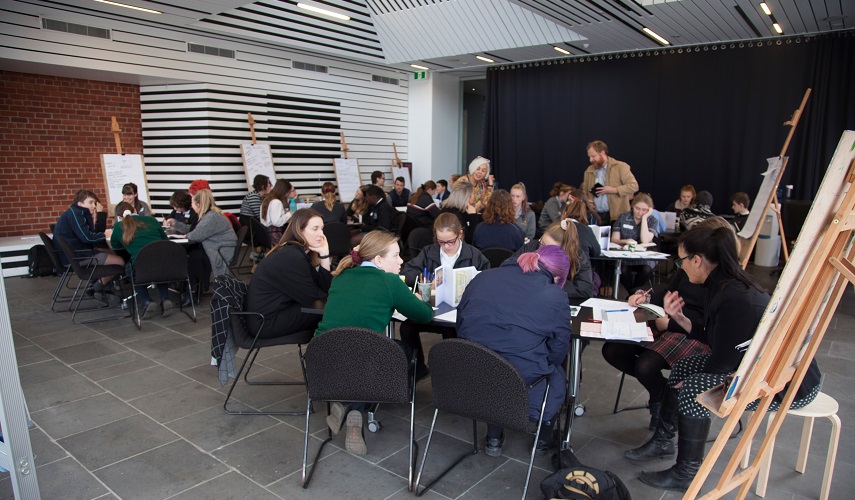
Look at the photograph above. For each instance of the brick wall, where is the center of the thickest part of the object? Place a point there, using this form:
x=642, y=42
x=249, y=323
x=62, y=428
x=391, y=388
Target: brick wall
x=52, y=133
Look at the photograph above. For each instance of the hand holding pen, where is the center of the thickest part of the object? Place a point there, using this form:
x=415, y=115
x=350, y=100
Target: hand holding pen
x=639, y=297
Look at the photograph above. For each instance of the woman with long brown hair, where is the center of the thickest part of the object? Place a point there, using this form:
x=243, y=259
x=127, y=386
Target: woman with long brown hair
x=293, y=274
x=274, y=209
x=329, y=208
x=499, y=229
x=565, y=234
x=576, y=211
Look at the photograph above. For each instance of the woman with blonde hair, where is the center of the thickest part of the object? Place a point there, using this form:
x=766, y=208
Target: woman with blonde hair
x=636, y=226
x=213, y=231
x=525, y=215
x=365, y=292
x=459, y=204
x=499, y=229
x=329, y=209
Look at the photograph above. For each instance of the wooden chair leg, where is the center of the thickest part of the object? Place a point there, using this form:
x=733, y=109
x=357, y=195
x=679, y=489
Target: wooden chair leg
x=831, y=457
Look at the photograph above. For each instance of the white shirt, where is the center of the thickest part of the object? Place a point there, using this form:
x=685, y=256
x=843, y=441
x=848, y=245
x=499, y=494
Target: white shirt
x=448, y=261
x=277, y=214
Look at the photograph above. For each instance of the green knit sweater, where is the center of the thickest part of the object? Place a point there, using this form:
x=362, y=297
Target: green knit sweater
x=148, y=230
x=366, y=297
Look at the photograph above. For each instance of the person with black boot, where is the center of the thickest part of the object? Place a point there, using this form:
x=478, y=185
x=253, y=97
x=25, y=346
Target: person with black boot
x=734, y=304
x=518, y=311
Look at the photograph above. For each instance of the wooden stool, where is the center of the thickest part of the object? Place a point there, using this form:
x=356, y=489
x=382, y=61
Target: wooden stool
x=824, y=406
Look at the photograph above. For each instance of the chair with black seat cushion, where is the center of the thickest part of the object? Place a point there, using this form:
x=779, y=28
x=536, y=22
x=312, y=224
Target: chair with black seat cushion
x=350, y=364
x=57, y=265
x=259, y=240
x=228, y=311
x=238, y=254
x=338, y=238
x=160, y=262
x=418, y=239
x=496, y=256
x=475, y=382
x=88, y=275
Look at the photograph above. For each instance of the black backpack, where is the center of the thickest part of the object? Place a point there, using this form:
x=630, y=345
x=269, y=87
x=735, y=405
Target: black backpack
x=586, y=483
x=39, y=262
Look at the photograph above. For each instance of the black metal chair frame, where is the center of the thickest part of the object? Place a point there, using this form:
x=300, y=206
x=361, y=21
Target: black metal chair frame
x=252, y=352
x=239, y=253
x=65, y=279
x=256, y=232
x=617, y=399
x=477, y=350
x=137, y=313
x=347, y=334
x=88, y=275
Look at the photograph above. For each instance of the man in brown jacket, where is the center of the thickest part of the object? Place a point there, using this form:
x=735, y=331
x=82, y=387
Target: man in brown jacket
x=615, y=179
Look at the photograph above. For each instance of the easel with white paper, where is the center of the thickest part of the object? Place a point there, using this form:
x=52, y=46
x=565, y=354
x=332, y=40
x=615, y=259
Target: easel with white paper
x=767, y=198
x=257, y=158
x=120, y=169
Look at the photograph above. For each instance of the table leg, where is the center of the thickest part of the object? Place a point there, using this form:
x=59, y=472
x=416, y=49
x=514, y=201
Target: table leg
x=574, y=372
x=617, y=276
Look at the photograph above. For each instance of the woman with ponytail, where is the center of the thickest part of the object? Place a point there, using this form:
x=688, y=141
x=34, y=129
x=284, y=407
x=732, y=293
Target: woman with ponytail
x=365, y=292
x=733, y=306
x=422, y=207
x=520, y=311
x=132, y=232
x=329, y=209
x=565, y=234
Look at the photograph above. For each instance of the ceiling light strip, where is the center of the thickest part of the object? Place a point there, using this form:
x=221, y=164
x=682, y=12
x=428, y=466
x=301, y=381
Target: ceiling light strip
x=117, y=4
x=318, y=10
x=482, y=58
x=563, y=51
x=424, y=68
x=652, y=34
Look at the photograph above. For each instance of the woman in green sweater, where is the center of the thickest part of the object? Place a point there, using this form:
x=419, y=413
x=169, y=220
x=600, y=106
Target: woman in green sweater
x=132, y=232
x=365, y=292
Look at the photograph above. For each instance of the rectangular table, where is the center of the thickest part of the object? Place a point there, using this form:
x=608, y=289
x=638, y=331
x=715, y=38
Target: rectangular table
x=619, y=256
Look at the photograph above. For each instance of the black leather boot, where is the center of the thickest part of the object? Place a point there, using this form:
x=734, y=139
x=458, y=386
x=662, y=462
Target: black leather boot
x=690, y=455
x=547, y=440
x=661, y=443
x=654, y=414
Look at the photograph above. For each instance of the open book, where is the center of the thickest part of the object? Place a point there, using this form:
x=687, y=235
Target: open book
x=450, y=283
x=653, y=308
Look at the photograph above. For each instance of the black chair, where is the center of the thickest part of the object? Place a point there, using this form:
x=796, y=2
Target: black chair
x=617, y=398
x=65, y=280
x=88, y=275
x=160, y=262
x=474, y=382
x=259, y=240
x=496, y=255
x=238, y=255
x=230, y=293
x=418, y=239
x=400, y=220
x=338, y=238
x=352, y=364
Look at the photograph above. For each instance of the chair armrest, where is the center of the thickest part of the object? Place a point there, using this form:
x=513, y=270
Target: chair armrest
x=249, y=313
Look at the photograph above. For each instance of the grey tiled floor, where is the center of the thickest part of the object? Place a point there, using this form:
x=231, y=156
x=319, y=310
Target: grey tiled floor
x=138, y=414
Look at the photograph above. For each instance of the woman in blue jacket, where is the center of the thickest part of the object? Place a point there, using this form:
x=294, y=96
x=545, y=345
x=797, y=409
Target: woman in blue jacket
x=520, y=311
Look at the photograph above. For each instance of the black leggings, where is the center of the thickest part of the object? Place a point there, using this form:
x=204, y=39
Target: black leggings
x=639, y=280
x=641, y=363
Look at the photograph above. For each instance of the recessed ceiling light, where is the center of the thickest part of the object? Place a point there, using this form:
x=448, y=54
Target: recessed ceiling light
x=319, y=10
x=765, y=8
x=482, y=58
x=563, y=51
x=419, y=67
x=778, y=28
x=117, y=4
x=656, y=37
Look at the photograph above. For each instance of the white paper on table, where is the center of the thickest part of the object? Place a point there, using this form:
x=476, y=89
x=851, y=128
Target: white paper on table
x=607, y=304
x=574, y=311
x=623, y=316
x=450, y=316
x=624, y=331
x=400, y=317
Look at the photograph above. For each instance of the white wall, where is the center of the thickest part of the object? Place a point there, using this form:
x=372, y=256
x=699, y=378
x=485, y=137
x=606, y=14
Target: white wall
x=434, y=127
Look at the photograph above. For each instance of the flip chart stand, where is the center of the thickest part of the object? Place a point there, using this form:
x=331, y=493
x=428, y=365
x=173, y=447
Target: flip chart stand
x=797, y=322
x=344, y=147
x=251, y=126
x=117, y=135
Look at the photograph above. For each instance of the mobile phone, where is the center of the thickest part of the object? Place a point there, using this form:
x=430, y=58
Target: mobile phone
x=595, y=188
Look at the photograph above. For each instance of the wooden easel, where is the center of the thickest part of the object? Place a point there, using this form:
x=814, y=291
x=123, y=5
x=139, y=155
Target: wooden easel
x=117, y=135
x=397, y=162
x=344, y=147
x=251, y=121
x=793, y=326
x=747, y=245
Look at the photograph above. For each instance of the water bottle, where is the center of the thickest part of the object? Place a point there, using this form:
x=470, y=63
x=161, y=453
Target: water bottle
x=292, y=205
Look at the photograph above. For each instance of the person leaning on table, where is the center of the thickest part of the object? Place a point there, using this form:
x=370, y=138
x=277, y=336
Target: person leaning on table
x=365, y=292
x=733, y=306
x=450, y=251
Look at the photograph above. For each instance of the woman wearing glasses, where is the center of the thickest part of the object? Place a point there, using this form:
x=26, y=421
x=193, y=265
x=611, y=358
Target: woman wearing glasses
x=733, y=305
x=450, y=251
x=636, y=226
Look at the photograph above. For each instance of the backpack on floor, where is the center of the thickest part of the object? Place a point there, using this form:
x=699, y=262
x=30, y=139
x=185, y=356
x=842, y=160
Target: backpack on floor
x=39, y=262
x=585, y=483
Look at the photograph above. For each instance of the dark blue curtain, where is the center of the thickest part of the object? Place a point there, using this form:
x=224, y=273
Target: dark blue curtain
x=708, y=118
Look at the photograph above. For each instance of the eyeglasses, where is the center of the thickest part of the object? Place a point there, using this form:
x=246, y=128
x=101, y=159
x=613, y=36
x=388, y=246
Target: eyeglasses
x=678, y=262
x=448, y=243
